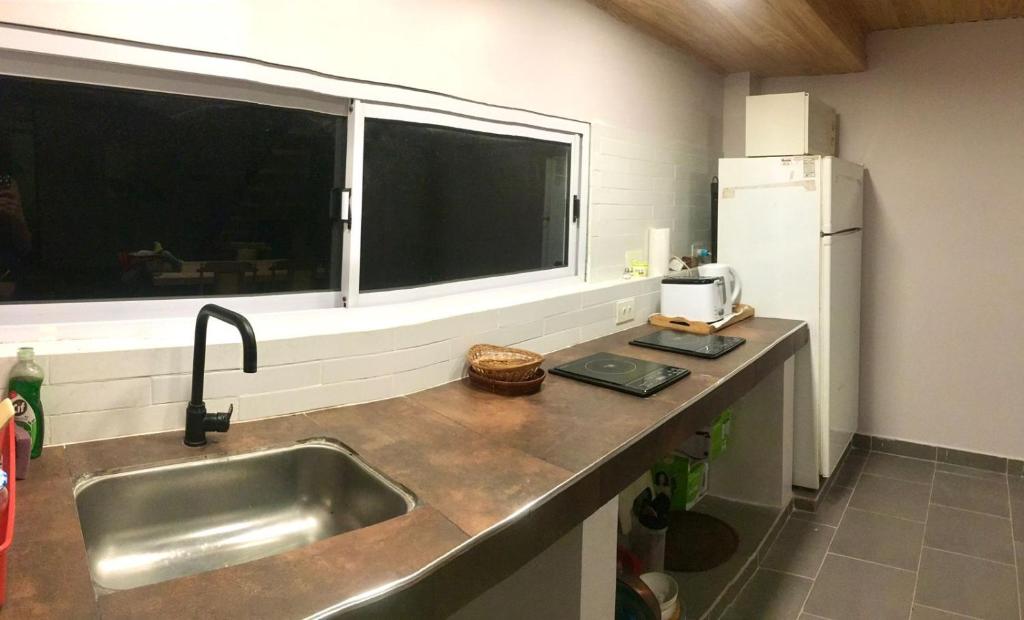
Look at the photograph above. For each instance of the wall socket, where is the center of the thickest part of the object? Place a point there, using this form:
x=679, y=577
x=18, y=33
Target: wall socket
x=625, y=310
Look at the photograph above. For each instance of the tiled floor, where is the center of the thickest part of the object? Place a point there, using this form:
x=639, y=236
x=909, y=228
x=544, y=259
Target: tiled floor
x=897, y=538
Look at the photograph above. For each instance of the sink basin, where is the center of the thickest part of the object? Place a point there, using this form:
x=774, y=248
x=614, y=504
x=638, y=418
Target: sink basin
x=148, y=525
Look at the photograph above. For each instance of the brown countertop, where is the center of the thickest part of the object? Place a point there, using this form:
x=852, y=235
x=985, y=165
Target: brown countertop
x=498, y=479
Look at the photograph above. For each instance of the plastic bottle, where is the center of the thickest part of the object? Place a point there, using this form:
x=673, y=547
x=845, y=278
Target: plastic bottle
x=26, y=381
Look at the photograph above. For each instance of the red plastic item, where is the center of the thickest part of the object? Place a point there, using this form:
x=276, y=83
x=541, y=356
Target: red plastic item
x=7, y=518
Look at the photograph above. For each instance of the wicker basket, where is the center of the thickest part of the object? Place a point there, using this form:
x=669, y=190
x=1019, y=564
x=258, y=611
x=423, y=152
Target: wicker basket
x=504, y=363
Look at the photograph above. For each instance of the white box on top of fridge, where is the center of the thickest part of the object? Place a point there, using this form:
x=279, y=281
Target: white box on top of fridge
x=791, y=226
x=789, y=124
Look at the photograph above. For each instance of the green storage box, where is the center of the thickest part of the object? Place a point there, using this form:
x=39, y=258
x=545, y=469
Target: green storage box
x=683, y=479
x=711, y=441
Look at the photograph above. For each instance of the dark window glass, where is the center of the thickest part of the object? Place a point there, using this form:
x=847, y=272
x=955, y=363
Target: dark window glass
x=114, y=193
x=443, y=204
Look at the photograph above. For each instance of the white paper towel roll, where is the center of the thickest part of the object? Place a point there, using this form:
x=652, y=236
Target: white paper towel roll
x=658, y=253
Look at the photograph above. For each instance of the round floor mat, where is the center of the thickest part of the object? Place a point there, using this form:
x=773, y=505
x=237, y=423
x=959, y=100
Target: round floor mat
x=698, y=542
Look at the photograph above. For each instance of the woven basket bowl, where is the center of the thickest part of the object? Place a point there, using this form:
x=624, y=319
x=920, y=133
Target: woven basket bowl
x=504, y=363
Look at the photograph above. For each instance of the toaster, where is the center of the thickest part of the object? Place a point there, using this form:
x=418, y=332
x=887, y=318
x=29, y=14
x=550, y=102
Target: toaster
x=697, y=299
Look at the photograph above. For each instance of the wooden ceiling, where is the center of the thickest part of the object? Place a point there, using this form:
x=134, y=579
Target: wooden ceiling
x=792, y=37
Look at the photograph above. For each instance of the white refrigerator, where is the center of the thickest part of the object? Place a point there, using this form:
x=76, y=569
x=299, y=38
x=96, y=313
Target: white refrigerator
x=791, y=226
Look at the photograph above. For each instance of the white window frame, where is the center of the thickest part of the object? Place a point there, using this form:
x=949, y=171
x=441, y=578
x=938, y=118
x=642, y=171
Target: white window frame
x=33, y=312
x=352, y=245
x=68, y=57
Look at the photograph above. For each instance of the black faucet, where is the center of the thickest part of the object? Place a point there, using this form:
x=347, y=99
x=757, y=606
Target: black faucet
x=197, y=421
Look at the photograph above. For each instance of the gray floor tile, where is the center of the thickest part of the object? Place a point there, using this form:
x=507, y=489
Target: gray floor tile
x=978, y=494
x=969, y=471
x=732, y=592
x=770, y=595
x=848, y=589
x=1017, y=507
x=898, y=498
x=800, y=548
x=1018, y=521
x=900, y=467
x=879, y=538
x=772, y=534
x=927, y=613
x=972, y=533
x=1016, y=486
x=830, y=509
x=849, y=471
x=967, y=585
x=1020, y=573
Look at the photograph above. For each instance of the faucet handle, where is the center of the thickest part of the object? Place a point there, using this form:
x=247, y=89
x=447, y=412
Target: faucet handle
x=219, y=422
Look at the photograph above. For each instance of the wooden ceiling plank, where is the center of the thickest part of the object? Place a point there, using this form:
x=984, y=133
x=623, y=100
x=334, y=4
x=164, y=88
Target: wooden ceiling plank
x=792, y=37
x=768, y=37
x=890, y=14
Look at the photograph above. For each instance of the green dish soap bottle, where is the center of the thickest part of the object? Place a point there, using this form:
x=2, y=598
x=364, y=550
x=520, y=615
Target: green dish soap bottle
x=26, y=382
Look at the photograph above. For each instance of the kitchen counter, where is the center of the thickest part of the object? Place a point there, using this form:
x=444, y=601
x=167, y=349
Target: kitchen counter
x=498, y=480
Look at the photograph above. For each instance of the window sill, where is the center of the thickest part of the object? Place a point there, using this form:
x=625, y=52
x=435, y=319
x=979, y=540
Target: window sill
x=123, y=335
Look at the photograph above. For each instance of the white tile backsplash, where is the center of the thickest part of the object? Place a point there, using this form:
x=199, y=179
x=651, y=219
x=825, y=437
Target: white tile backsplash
x=294, y=350
x=528, y=313
x=421, y=378
x=583, y=316
x=552, y=342
x=629, y=288
x=219, y=384
x=409, y=336
x=115, y=393
x=255, y=406
x=364, y=366
x=510, y=335
x=92, y=425
x=97, y=366
x=73, y=397
x=640, y=182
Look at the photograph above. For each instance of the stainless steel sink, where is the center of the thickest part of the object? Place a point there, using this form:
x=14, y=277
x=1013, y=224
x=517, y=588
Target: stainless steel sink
x=149, y=525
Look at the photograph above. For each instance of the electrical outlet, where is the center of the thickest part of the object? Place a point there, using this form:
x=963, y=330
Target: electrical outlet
x=625, y=310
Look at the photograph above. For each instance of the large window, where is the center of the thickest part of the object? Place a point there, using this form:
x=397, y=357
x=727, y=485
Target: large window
x=442, y=204
x=445, y=203
x=235, y=189
x=108, y=193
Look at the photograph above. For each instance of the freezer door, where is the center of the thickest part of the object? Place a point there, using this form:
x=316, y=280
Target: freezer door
x=842, y=195
x=839, y=345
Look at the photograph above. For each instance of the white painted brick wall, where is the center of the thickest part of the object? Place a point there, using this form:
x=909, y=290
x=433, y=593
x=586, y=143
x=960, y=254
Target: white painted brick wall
x=364, y=366
x=108, y=394
x=639, y=182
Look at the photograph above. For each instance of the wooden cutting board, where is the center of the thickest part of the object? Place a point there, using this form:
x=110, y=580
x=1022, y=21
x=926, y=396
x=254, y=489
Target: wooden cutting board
x=682, y=324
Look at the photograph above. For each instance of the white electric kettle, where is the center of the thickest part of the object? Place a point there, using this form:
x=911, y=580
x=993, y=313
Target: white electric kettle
x=733, y=285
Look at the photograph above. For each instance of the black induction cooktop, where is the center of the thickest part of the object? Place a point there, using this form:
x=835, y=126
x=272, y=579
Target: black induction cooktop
x=710, y=346
x=625, y=374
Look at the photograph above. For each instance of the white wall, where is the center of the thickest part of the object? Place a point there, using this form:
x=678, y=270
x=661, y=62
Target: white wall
x=938, y=120
x=118, y=385
x=736, y=88
x=656, y=113
x=656, y=123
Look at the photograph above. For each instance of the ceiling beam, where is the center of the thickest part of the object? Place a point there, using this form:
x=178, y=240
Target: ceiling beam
x=765, y=37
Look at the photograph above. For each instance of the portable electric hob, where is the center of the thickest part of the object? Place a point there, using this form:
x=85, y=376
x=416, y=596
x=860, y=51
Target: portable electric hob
x=709, y=346
x=625, y=374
